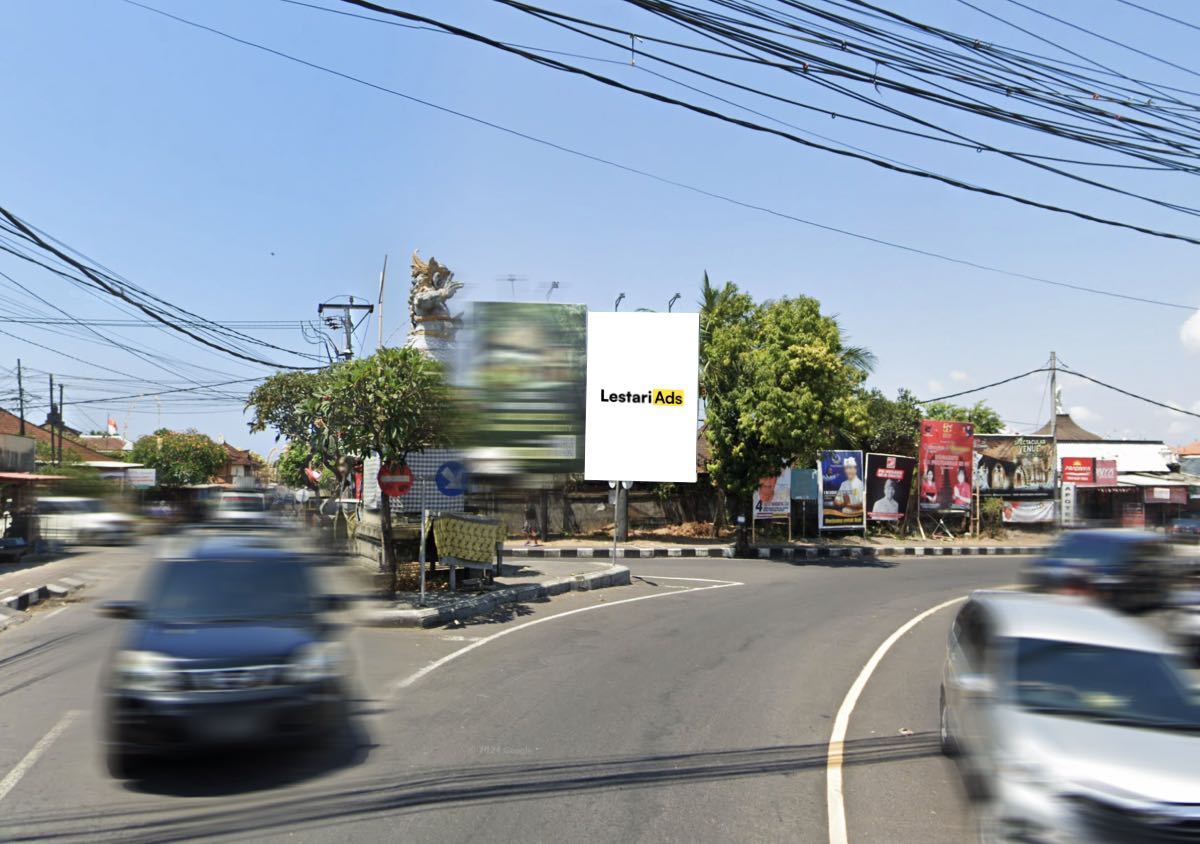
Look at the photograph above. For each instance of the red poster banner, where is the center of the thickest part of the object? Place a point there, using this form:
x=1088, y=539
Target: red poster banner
x=1106, y=473
x=1079, y=470
x=946, y=458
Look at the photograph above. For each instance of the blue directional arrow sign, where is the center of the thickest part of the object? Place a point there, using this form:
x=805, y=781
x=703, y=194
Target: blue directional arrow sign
x=451, y=478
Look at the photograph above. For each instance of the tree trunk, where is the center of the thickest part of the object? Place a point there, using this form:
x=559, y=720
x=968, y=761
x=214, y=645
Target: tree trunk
x=389, y=549
x=718, y=521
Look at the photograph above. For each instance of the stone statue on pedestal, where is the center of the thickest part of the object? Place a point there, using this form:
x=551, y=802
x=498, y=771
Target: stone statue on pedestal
x=433, y=328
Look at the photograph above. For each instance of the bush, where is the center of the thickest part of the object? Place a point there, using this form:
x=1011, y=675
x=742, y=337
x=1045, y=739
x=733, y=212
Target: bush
x=991, y=517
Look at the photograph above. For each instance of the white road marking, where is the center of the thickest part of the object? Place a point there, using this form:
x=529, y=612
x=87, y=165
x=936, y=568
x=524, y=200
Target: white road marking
x=53, y=613
x=14, y=776
x=4, y=591
x=833, y=764
x=438, y=663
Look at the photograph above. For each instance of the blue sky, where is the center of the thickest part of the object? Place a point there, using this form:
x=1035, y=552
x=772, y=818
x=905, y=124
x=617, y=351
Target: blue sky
x=245, y=187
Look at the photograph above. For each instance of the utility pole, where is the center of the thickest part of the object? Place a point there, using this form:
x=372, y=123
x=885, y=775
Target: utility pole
x=1054, y=435
x=61, y=423
x=347, y=323
x=1054, y=398
x=21, y=396
x=379, y=319
x=51, y=419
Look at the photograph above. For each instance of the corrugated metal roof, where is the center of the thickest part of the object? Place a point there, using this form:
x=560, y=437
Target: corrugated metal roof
x=1147, y=480
x=1130, y=456
x=28, y=476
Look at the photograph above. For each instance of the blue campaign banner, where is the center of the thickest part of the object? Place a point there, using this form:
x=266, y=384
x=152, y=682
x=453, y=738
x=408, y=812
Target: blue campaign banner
x=843, y=494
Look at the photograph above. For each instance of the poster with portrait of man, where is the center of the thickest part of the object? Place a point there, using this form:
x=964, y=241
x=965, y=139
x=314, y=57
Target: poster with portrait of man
x=843, y=493
x=889, y=480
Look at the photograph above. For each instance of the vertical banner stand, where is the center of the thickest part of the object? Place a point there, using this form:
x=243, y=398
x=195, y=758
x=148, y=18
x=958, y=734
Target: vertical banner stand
x=421, y=555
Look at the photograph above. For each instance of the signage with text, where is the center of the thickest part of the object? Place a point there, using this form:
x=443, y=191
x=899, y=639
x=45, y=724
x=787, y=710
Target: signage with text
x=641, y=397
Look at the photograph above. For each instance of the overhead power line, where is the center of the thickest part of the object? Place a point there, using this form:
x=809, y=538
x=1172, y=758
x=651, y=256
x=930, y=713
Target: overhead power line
x=758, y=127
x=597, y=159
x=1067, y=371
x=118, y=292
x=985, y=386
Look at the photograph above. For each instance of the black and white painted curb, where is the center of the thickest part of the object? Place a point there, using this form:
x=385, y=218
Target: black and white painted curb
x=480, y=604
x=14, y=609
x=781, y=552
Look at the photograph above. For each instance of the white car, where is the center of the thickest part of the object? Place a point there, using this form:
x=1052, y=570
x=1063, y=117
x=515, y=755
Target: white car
x=82, y=521
x=242, y=509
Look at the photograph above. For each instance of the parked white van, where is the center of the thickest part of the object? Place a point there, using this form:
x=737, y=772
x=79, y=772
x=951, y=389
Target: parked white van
x=82, y=521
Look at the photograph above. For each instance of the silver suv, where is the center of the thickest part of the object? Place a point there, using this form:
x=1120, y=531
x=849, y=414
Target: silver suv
x=82, y=521
x=1071, y=722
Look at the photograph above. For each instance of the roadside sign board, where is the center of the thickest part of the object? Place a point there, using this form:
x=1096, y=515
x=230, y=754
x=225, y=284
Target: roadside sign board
x=641, y=397
x=395, y=481
x=451, y=479
x=1078, y=470
x=773, y=497
x=1106, y=473
x=141, y=478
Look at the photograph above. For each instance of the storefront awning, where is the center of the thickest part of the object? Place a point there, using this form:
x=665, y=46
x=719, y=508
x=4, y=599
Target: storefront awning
x=1146, y=480
x=27, y=477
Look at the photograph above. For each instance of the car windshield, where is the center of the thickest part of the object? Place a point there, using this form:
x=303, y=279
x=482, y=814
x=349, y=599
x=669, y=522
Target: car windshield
x=210, y=590
x=1106, y=551
x=243, y=504
x=1115, y=685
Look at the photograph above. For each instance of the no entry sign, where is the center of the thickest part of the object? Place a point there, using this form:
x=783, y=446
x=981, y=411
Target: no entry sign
x=395, y=481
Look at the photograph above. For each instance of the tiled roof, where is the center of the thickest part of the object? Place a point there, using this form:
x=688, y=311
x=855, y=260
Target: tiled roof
x=10, y=423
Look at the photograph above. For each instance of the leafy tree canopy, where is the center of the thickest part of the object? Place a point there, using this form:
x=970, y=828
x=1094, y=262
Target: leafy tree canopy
x=179, y=458
x=779, y=384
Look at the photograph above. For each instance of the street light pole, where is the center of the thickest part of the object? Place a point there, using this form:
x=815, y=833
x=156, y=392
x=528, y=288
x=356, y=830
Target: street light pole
x=671, y=304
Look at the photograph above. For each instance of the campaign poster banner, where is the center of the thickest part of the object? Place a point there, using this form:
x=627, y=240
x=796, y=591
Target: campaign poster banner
x=945, y=460
x=773, y=498
x=1015, y=467
x=889, y=479
x=1029, y=512
x=843, y=493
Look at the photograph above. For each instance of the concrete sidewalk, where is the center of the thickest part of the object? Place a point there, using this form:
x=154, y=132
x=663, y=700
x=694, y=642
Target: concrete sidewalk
x=528, y=583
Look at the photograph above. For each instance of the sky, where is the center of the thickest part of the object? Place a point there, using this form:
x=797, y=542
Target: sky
x=246, y=187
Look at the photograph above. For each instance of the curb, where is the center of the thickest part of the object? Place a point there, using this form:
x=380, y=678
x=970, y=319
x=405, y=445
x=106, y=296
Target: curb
x=782, y=552
x=14, y=608
x=469, y=607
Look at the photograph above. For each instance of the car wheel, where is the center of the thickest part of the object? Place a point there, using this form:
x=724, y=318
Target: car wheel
x=122, y=764
x=949, y=747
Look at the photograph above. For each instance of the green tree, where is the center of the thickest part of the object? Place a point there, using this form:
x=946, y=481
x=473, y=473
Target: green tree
x=985, y=419
x=392, y=404
x=179, y=458
x=779, y=384
x=893, y=424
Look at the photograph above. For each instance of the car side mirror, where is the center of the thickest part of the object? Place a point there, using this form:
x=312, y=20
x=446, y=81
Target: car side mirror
x=976, y=686
x=124, y=610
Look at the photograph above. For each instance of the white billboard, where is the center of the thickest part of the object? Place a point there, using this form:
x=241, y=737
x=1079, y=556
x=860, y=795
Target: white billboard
x=641, y=397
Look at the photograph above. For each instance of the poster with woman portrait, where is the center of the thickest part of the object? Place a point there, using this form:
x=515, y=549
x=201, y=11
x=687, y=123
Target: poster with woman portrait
x=945, y=461
x=889, y=479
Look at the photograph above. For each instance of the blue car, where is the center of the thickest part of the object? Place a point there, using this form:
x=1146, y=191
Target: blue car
x=1128, y=569
x=229, y=646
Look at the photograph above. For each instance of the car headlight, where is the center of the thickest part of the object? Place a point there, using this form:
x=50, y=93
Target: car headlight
x=315, y=662
x=144, y=671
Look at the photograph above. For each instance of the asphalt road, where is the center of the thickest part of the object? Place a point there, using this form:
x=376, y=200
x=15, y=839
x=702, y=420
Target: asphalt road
x=701, y=711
